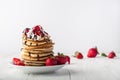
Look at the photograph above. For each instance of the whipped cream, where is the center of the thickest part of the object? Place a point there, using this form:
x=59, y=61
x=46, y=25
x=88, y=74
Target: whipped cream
x=35, y=33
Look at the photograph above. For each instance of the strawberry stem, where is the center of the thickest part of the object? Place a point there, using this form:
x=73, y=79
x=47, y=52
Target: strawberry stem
x=97, y=49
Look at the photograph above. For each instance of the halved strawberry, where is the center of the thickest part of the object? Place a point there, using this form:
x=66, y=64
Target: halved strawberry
x=36, y=28
x=26, y=31
x=78, y=55
x=17, y=61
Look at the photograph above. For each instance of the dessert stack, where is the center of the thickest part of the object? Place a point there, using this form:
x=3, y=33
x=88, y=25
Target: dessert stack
x=36, y=47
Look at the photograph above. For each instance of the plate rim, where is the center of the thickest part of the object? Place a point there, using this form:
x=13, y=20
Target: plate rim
x=11, y=63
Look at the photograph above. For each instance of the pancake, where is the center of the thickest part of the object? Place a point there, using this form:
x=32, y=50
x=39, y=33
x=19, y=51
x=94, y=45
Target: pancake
x=36, y=43
x=35, y=58
x=38, y=49
x=34, y=64
x=37, y=62
x=40, y=46
x=36, y=55
x=43, y=44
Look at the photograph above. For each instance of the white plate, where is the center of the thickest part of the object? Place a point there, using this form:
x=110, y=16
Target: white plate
x=38, y=69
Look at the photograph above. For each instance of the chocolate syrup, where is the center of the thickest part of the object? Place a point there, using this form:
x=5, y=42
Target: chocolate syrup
x=30, y=44
x=25, y=42
x=29, y=53
x=37, y=44
x=30, y=37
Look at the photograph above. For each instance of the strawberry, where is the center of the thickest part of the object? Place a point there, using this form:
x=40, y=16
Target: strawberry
x=111, y=55
x=18, y=62
x=61, y=59
x=92, y=53
x=51, y=62
x=42, y=34
x=78, y=55
x=68, y=59
x=38, y=33
x=26, y=31
x=36, y=28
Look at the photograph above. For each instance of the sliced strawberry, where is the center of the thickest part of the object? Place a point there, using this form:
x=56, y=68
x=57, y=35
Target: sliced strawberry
x=36, y=28
x=17, y=61
x=78, y=55
x=38, y=33
x=26, y=31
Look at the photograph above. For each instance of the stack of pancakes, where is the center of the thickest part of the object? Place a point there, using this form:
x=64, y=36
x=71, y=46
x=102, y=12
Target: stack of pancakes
x=35, y=51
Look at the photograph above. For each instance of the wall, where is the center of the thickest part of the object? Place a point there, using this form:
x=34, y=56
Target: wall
x=72, y=24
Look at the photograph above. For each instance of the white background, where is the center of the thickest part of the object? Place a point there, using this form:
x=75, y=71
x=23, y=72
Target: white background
x=72, y=24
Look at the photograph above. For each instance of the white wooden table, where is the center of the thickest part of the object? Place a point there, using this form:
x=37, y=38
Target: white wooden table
x=99, y=68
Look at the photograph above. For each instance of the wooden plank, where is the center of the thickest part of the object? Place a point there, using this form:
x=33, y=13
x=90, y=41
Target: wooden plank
x=95, y=69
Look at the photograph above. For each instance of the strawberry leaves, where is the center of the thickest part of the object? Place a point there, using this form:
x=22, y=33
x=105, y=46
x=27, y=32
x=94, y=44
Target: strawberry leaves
x=103, y=54
x=110, y=55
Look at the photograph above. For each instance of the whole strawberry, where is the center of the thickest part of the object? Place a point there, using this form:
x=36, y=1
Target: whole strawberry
x=51, y=62
x=62, y=59
x=92, y=53
x=68, y=59
x=78, y=55
x=111, y=54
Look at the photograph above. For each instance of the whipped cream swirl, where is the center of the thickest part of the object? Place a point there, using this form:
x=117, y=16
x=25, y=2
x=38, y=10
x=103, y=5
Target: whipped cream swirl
x=36, y=33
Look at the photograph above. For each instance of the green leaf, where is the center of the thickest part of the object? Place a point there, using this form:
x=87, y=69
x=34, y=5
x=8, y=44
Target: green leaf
x=103, y=54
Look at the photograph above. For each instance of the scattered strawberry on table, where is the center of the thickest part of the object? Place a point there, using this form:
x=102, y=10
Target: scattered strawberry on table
x=111, y=54
x=78, y=55
x=92, y=52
